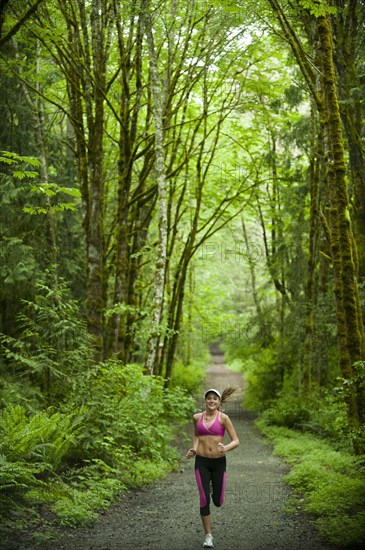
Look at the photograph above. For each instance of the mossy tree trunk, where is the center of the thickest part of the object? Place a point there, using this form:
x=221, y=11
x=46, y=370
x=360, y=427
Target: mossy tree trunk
x=343, y=246
x=348, y=29
x=83, y=56
x=315, y=174
x=130, y=212
x=322, y=82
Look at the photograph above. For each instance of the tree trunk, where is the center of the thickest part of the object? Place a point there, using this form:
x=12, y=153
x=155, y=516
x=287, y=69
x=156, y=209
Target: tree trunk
x=129, y=112
x=323, y=86
x=348, y=32
x=160, y=273
x=39, y=124
x=84, y=65
x=343, y=248
x=314, y=175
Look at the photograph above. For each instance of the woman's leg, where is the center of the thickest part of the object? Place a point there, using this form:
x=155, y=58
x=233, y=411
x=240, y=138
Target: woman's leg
x=203, y=477
x=207, y=524
x=219, y=481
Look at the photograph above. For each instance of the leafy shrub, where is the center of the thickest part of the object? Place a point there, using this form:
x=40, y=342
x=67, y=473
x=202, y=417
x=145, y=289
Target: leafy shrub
x=332, y=481
x=43, y=439
x=54, y=344
x=15, y=479
x=32, y=448
x=115, y=432
x=17, y=390
x=190, y=377
x=336, y=495
x=323, y=414
x=289, y=443
x=288, y=411
x=80, y=504
x=263, y=376
x=236, y=365
x=348, y=529
x=145, y=471
x=177, y=395
x=126, y=415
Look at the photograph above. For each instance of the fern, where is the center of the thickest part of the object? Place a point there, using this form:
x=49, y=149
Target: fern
x=53, y=345
x=40, y=439
x=15, y=479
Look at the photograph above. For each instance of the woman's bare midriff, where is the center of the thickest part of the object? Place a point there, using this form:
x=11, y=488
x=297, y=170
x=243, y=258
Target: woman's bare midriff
x=208, y=446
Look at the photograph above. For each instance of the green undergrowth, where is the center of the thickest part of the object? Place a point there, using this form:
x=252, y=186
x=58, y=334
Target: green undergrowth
x=61, y=468
x=327, y=483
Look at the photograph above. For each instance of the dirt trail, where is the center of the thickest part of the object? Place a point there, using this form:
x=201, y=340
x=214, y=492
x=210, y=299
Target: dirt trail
x=165, y=515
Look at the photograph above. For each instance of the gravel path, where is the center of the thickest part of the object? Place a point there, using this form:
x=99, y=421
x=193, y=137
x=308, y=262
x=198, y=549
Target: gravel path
x=165, y=515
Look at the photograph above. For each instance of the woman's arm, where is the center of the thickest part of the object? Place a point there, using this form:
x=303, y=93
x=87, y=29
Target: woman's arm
x=192, y=451
x=232, y=434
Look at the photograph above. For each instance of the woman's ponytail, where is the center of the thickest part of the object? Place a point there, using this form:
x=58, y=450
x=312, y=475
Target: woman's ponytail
x=227, y=392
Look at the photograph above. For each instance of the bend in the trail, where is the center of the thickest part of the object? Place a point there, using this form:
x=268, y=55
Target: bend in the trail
x=219, y=376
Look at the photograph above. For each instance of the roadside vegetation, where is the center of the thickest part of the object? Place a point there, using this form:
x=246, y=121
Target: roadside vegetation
x=66, y=454
x=174, y=175
x=313, y=438
x=327, y=482
x=116, y=432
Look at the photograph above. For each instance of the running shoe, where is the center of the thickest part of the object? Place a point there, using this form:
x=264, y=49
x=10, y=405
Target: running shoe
x=208, y=542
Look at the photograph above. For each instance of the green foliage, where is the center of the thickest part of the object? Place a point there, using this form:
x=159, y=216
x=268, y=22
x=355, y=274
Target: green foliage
x=79, y=506
x=288, y=410
x=290, y=443
x=116, y=431
x=14, y=160
x=16, y=249
x=42, y=439
x=318, y=8
x=328, y=417
x=52, y=191
x=127, y=413
x=128, y=422
x=332, y=482
x=345, y=386
x=349, y=529
x=16, y=261
x=54, y=344
x=25, y=245
x=190, y=377
x=322, y=413
x=15, y=477
x=146, y=471
x=32, y=449
x=19, y=390
x=263, y=376
x=48, y=193
x=116, y=425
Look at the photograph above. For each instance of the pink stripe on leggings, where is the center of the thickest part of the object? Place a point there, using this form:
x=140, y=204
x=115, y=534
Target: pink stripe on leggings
x=203, y=498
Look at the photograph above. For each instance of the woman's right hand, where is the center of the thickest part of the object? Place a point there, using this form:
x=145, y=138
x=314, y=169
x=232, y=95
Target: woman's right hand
x=191, y=453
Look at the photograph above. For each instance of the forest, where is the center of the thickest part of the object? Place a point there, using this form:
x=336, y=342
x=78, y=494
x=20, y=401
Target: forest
x=176, y=175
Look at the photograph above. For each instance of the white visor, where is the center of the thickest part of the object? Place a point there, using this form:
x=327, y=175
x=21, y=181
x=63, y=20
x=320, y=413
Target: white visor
x=214, y=391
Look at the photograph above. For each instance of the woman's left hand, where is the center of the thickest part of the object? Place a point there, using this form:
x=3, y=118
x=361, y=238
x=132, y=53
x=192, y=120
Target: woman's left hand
x=221, y=448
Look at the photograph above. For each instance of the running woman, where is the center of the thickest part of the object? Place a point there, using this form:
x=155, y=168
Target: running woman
x=210, y=454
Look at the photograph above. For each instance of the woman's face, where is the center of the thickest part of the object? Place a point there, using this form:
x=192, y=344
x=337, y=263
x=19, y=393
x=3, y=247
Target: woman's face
x=212, y=401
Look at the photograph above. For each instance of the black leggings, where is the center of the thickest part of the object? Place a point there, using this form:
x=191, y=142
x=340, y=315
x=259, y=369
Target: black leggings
x=210, y=470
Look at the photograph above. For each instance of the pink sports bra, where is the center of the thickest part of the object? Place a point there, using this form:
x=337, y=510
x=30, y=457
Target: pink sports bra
x=213, y=428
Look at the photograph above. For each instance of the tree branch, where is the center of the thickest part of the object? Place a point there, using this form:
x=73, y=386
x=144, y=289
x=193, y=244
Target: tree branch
x=19, y=24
